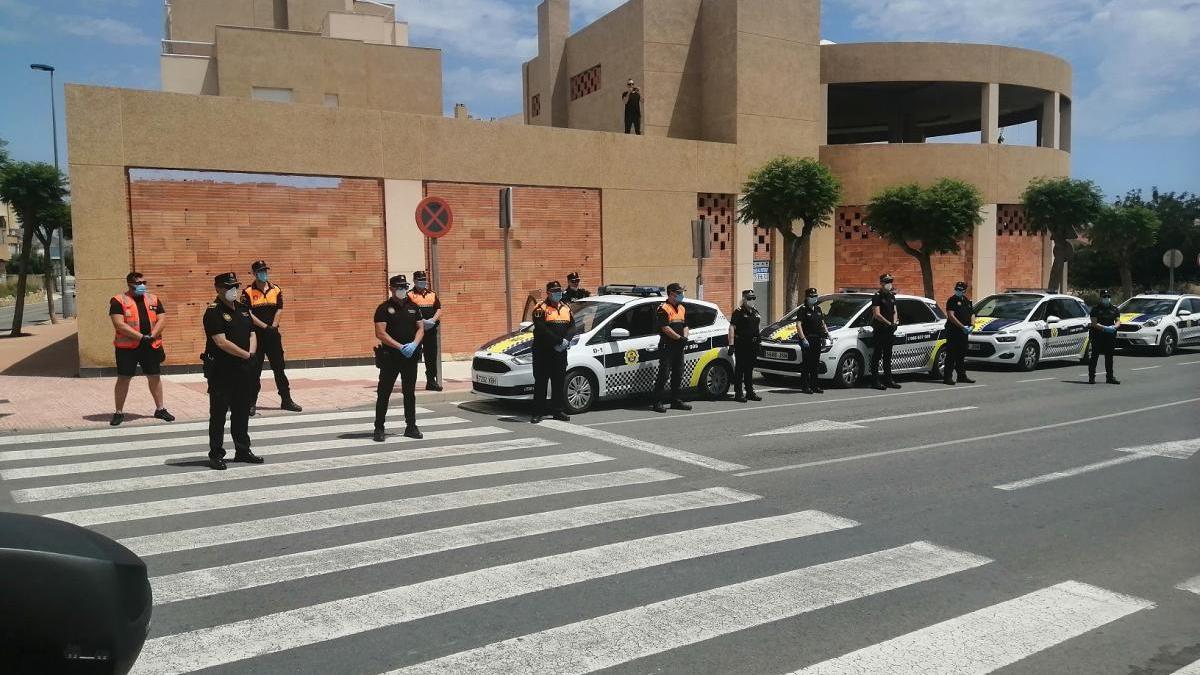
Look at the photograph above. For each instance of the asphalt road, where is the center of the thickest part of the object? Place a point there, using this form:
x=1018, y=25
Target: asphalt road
x=1030, y=523
x=35, y=312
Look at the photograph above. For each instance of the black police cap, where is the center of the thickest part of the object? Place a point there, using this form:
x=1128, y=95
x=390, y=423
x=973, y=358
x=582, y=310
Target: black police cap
x=674, y=288
x=960, y=286
x=885, y=278
x=553, y=287
x=1106, y=293
x=573, y=277
x=749, y=295
x=811, y=293
x=259, y=266
x=398, y=281
x=420, y=275
x=228, y=280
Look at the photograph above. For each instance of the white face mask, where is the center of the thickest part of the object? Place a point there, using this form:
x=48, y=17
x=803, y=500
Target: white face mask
x=231, y=294
x=887, y=287
x=749, y=303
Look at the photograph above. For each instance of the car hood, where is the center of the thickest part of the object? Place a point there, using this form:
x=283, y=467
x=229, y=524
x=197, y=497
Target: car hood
x=984, y=324
x=1138, y=318
x=515, y=343
x=785, y=332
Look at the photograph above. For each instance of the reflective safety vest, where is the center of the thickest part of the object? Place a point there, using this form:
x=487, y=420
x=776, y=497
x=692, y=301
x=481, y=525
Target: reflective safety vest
x=561, y=314
x=424, y=301
x=129, y=313
x=674, y=314
x=258, y=298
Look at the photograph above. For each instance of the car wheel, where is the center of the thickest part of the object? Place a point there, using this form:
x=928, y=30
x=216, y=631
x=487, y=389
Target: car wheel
x=580, y=391
x=849, y=370
x=939, y=364
x=715, y=380
x=1029, y=356
x=1168, y=344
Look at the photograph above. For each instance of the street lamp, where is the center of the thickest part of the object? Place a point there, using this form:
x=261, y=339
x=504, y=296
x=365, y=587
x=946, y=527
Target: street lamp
x=62, y=245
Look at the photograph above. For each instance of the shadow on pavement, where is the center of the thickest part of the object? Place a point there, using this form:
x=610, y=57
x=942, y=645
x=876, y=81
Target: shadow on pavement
x=58, y=359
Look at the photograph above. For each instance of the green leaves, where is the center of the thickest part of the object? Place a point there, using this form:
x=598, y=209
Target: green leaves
x=1120, y=230
x=938, y=216
x=788, y=189
x=1061, y=207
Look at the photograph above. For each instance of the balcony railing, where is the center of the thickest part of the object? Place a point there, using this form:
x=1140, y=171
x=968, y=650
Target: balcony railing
x=187, y=48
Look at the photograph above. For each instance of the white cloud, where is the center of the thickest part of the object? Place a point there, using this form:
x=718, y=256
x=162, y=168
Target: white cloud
x=109, y=30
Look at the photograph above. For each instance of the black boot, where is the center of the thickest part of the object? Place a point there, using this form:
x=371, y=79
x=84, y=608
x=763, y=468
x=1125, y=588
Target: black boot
x=658, y=407
x=562, y=416
x=413, y=432
x=378, y=436
x=892, y=384
x=737, y=395
x=286, y=403
x=753, y=396
x=1112, y=380
x=247, y=457
x=680, y=405
x=816, y=386
x=962, y=377
x=876, y=383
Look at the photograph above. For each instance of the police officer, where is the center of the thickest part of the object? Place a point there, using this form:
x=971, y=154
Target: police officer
x=400, y=330
x=960, y=321
x=671, y=320
x=228, y=356
x=265, y=300
x=574, y=290
x=553, y=327
x=810, y=321
x=744, y=339
x=1104, y=337
x=884, y=323
x=430, y=307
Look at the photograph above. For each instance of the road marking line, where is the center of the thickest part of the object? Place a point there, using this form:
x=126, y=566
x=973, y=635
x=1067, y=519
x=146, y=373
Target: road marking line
x=959, y=441
x=1191, y=585
x=1036, y=379
x=644, y=446
x=320, y=488
x=1145, y=368
x=206, y=475
x=262, y=572
x=831, y=425
x=1187, y=363
x=145, y=461
x=620, y=637
x=1171, y=449
x=176, y=427
x=183, y=441
x=227, y=643
x=916, y=414
x=264, y=528
x=990, y=638
x=940, y=390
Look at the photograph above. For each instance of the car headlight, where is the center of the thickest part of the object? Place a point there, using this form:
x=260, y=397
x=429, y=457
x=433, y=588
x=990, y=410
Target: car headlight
x=1010, y=331
x=524, y=360
x=575, y=340
x=1006, y=338
x=1152, y=323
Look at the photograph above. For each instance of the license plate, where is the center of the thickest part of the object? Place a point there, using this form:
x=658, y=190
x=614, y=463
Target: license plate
x=974, y=347
x=485, y=379
x=776, y=355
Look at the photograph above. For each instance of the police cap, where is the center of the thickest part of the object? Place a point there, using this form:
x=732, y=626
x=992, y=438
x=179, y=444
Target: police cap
x=811, y=293
x=960, y=286
x=573, y=277
x=398, y=281
x=259, y=266
x=885, y=278
x=749, y=295
x=420, y=275
x=1106, y=293
x=553, y=287
x=674, y=288
x=226, y=280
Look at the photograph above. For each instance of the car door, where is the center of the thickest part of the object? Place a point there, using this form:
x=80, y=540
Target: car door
x=629, y=362
x=917, y=336
x=705, y=340
x=1073, y=329
x=1189, y=326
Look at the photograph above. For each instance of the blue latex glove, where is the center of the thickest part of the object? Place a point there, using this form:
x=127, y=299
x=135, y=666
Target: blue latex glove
x=1110, y=329
x=408, y=349
x=967, y=329
x=428, y=323
x=804, y=343
x=562, y=346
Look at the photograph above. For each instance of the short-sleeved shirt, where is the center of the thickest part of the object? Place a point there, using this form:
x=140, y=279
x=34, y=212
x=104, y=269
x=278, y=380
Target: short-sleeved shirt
x=401, y=317
x=234, y=323
x=115, y=307
x=745, y=322
x=426, y=301
x=673, y=316
x=552, y=325
x=264, y=304
x=1106, y=315
x=961, y=308
x=886, y=302
x=812, y=320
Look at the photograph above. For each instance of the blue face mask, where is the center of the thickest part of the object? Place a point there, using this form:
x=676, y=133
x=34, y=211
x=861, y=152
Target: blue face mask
x=810, y=301
x=679, y=297
x=960, y=293
x=1106, y=301
x=261, y=276
x=139, y=289
x=422, y=284
x=555, y=297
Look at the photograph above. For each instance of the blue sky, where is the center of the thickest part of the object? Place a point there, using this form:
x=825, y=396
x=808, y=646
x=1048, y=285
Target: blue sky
x=1137, y=63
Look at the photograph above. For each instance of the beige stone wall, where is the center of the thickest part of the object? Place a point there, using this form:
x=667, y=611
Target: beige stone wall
x=719, y=71
x=402, y=79
x=616, y=43
x=195, y=20
x=309, y=15
x=189, y=74
x=673, y=66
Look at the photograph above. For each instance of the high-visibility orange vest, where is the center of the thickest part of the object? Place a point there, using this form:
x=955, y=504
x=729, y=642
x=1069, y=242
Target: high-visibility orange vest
x=258, y=298
x=561, y=314
x=129, y=313
x=425, y=299
x=674, y=314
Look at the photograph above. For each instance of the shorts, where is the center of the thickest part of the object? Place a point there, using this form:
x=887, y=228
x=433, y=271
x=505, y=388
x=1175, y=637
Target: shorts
x=147, y=357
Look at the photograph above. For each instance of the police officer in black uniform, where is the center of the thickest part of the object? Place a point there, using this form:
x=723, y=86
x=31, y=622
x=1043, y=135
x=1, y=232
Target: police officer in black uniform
x=430, y=306
x=812, y=332
x=553, y=327
x=399, y=329
x=1104, y=337
x=228, y=355
x=574, y=290
x=671, y=320
x=884, y=323
x=744, y=339
x=960, y=321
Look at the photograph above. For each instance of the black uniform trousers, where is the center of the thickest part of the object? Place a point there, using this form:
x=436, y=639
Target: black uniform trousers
x=1102, y=343
x=956, y=353
x=670, y=363
x=812, y=356
x=228, y=393
x=549, y=369
x=392, y=365
x=429, y=350
x=270, y=347
x=745, y=356
x=633, y=123
x=881, y=350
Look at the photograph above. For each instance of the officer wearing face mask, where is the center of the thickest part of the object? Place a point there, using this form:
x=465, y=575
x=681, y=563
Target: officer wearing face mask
x=671, y=320
x=553, y=328
x=1104, y=337
x=138, y=318
x=228, y=353
x=431, y=318
x=884, y=322
x=265, y=300
x=744, y=339
x=960, y=319
x=813, y=332
x=400, y=330
x=574, y=290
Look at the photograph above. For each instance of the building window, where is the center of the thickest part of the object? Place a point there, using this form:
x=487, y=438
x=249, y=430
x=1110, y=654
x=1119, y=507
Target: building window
x=273, y=94
x=586, y=82
x=535, y=105
x=331, y=100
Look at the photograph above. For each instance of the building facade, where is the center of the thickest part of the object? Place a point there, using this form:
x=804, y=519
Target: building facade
x=216, y=171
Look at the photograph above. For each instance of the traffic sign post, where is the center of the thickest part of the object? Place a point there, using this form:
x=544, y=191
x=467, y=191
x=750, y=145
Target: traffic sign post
x=701, y=249
x=435, y=219
x=506, y=223
x=1172, y=259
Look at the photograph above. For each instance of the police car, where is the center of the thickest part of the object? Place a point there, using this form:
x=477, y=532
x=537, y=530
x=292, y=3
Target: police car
x=1162, y=321
x=614, y=353
x=918, y=347
x=1022, y=328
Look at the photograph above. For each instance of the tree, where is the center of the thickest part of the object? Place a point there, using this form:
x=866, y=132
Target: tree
x=786, y=191
x=34, y=189
x=57, y=217
x=1119, y=233
x=1062, y=208
x=924, y=222
x=1178, y=214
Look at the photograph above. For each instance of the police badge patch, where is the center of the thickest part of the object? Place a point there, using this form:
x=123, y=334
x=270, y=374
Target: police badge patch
x=391, y=310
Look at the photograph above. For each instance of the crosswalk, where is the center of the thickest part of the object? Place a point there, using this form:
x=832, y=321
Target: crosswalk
x=341, y=544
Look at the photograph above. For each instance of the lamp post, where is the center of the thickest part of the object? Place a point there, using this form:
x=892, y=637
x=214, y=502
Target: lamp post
x=62, y=244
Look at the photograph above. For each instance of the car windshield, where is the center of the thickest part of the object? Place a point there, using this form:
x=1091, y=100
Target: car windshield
x=1006, y=306
x=1148, y=306
x=592, y=313
x=839, y=310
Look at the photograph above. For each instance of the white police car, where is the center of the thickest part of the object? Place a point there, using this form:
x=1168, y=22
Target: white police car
x=1022, y=328
x=918, y=342
x=1162, y=321
x=614, y=353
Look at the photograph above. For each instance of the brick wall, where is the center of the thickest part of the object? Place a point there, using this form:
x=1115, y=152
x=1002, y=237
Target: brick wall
x=325, y=246
x=861, y=256
x=557, y=231
x=718, y=210
x=1018, y=251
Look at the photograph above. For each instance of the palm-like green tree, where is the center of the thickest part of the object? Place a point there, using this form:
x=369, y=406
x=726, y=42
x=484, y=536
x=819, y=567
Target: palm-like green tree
x=35, y=190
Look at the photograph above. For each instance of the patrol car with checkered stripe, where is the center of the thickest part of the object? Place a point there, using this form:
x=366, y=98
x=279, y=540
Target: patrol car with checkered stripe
x=1159, y=321
x=1024, y=327
x=614, y=353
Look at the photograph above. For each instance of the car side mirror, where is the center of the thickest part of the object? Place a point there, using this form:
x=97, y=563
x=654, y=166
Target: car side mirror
x=525, y=324
x=1052, y=319
x=619, y=333
x=1185, y=312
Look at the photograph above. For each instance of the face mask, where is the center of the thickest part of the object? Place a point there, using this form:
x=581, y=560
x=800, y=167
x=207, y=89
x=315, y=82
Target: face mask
x=810, y=301
x=555, y=297
x=887, y=287
x=1106, y=301
x=960, y=293
x=231, y=294
x=139, y=289
x=679, y=297
x=422, y=284
x=749, y=303
x=261, y=276
x=400, y=292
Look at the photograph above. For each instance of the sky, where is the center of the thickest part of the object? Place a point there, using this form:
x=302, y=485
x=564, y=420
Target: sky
x=1136, y=63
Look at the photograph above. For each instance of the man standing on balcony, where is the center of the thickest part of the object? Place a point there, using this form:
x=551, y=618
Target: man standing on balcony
x=632, y=96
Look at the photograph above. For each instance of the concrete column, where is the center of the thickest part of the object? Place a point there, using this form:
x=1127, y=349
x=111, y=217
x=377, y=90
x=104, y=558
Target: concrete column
x=819, y=258
x=823, y=120
x=990, y=113
x=983, y=265
x=1049, y=121
x=1064, y=132
x=1048, y=260
x=554, y=24
x=405, y=243
x=743, y=258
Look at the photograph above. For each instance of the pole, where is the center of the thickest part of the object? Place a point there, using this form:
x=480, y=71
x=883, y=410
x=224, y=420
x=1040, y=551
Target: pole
x=507, y=284
x=53, y=120
x=1171, y=284
x=700, y=279
x=437, y=279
